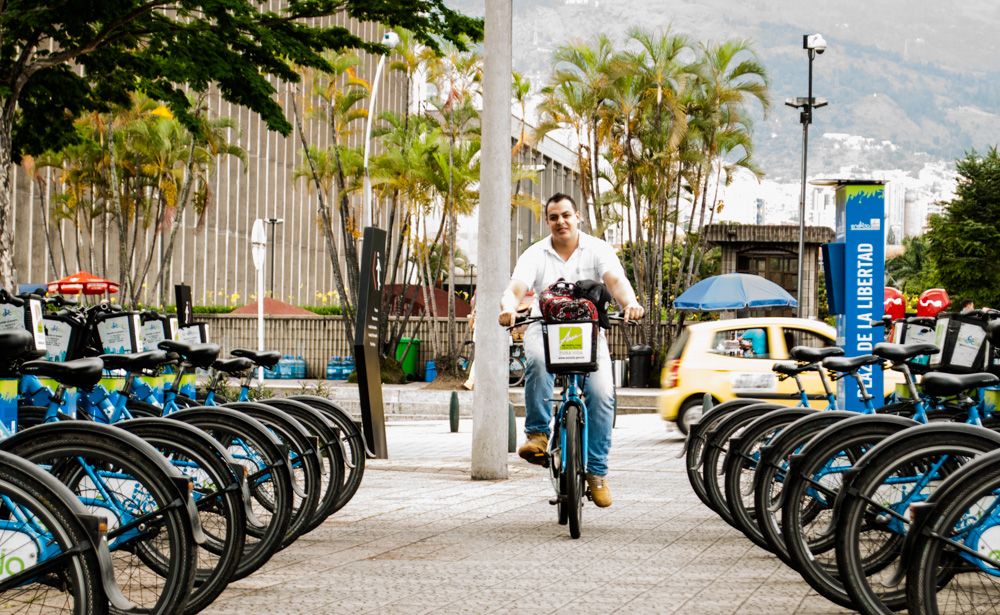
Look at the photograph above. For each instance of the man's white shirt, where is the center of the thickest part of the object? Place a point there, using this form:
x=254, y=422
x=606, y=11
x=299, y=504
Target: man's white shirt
x=540, y=266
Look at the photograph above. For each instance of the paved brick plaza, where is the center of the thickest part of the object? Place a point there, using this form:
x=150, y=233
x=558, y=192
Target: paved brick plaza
x=420, y=537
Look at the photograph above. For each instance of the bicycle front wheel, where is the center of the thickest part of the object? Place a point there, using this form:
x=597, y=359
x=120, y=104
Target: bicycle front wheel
x=574, y=473
x=116, y=475
x=40, y=523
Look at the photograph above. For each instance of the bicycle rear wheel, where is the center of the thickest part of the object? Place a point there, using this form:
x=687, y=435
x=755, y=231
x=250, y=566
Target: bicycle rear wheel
x=128, y=482
x=873, y=519
x=352, y=442
x=303, y=460
x=575, y=469
x=217, y=494
x=954, y=565
x=331, y=455
x=268, y=499
x=39, y=510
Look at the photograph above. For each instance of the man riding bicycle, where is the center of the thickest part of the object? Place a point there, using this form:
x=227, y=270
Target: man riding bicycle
x=571, y=255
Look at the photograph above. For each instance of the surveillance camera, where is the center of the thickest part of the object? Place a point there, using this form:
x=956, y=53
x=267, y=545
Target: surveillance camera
x=815, y=42
x=390, y=39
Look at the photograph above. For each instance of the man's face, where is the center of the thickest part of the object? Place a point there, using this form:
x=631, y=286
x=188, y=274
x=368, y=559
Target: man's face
x=562, y=219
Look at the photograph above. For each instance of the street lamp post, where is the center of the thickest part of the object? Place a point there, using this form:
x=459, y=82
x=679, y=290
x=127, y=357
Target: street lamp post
x=389, y=39
x=814, y=44
x=273, y=222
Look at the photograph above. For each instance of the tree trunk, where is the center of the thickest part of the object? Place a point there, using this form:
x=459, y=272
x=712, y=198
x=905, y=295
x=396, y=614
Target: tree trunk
x=331, y=245
x=7, y=272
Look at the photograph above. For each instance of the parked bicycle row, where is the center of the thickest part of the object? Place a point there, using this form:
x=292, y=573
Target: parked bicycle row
x=895, y=507
x=138, y=498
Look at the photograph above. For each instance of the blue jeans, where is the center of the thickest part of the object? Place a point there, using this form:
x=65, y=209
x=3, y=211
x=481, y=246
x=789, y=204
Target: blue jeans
x=599, y=393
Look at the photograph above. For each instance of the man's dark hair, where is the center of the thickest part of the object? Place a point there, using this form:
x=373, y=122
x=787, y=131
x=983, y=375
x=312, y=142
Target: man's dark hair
x=967, y=303
x=555, y=198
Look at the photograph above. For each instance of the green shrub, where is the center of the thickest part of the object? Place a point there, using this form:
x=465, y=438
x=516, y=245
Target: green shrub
x=324, y=310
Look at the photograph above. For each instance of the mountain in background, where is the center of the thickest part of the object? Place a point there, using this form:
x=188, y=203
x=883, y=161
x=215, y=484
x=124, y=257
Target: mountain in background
x=917, y=81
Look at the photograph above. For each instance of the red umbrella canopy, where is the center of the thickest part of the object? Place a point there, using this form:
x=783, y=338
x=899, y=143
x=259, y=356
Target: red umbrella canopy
x=83, y=282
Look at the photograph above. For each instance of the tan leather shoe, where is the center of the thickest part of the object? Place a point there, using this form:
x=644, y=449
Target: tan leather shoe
x=535, y=449
x=600, y=492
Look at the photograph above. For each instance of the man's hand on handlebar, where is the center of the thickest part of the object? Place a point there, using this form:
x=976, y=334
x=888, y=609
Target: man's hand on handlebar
x=633, y=311
x=507, y=318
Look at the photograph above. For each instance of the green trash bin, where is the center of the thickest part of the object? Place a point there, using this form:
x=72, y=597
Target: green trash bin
x=407, y=357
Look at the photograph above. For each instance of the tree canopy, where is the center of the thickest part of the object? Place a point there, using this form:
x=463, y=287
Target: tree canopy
x=160, y=46
x=964, y=238
x=62, y=58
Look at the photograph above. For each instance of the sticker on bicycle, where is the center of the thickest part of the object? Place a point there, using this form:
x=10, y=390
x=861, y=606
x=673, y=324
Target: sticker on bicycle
x=989, y=543
x=754, y=382
x=570, y=343
x=18, y=552
x=57, y=339
x=967, y=345
x=120, y=334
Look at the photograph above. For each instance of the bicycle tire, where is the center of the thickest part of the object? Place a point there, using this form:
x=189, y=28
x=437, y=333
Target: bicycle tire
x=330, y=454
x=218, y=499
x=142, y=410
x=717, y=450
x=556, y=474
x=74, y=585
x=694, y=444
x=78, y=451
x=742, y=463
x=575, y=470
x=937, y=570
x=352, y=442
x=516, y=369
x=260, y=452
x=812, y=549
x=861, y=508
x=772, y=470
x=303, y=462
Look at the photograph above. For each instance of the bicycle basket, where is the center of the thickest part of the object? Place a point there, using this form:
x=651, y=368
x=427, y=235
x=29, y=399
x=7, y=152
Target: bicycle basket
x=570, y=346
x=962, y=340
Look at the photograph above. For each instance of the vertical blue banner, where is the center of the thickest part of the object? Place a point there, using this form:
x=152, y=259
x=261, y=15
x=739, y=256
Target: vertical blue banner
x=860, y=222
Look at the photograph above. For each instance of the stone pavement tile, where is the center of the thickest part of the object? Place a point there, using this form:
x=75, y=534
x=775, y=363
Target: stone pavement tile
x=414, y=537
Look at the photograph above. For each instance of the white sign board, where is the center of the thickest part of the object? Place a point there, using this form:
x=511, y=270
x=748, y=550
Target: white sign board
x=258, y=243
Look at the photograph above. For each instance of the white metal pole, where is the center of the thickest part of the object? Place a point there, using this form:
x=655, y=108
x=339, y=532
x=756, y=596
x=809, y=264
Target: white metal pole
x=260, y=319
x=367, y=215
x=489, y=406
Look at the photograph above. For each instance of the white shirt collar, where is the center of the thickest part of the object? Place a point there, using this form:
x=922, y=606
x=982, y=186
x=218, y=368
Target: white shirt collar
x=582, y=245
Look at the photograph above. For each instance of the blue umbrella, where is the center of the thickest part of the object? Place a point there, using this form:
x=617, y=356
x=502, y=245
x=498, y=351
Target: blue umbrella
x=734, y=291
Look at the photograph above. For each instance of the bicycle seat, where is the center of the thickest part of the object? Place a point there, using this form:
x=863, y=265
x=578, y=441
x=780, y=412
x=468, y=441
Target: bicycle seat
x=900, y=353
x=79, y=373
x=790, y=369
x=136, y=361
x=18, y=344
x=199, y=355
x=940, y=384
x=265, y=358
x=849, y=364
x=808, y=354
x=233, y=366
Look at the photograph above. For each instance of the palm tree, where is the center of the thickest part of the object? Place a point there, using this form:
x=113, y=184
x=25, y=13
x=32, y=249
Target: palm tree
x=582, y=82
x=730, y=77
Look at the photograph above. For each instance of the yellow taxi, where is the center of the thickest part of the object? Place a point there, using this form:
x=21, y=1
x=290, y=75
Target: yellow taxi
x=733, y=358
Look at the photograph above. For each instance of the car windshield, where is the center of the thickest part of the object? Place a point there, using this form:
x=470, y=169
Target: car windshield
x=750, y=343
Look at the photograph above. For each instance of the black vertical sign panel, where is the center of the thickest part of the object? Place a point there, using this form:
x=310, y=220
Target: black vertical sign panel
x=185, y=309
x=366, y=341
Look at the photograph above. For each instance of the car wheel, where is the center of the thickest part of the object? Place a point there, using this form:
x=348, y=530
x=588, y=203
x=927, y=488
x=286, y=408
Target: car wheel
x=690, y=411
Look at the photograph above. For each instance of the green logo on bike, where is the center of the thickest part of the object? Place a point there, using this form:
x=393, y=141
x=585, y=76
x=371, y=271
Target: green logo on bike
x=571, y=338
